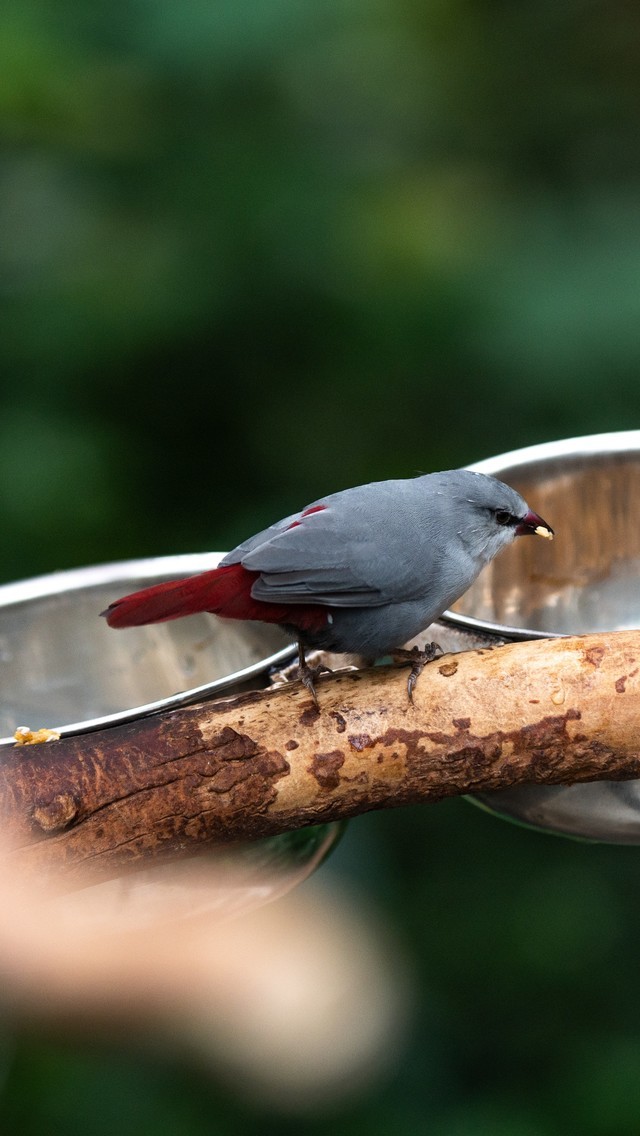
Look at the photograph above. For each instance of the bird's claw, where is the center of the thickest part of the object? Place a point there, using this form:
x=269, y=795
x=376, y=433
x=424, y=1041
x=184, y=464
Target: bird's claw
x=416, y=658
x=309, y=675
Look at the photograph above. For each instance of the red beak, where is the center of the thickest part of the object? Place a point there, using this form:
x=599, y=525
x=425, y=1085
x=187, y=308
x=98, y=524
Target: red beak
x=533, y=525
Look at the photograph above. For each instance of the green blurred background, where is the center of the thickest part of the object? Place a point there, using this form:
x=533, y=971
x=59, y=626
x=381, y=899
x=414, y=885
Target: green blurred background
x=252, y=252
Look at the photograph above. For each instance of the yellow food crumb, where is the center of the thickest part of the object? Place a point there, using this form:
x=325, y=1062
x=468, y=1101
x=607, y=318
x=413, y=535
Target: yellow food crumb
x=542, y=531
x=26, y=737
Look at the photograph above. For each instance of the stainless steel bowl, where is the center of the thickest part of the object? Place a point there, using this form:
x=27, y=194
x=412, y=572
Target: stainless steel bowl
x=61, y=665
x=587, y=580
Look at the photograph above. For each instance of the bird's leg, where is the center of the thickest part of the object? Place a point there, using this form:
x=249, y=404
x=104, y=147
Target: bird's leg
x=308, y=675
x=417, y=659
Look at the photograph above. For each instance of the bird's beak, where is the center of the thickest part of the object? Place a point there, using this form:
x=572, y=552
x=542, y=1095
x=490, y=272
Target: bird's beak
x=533, y=525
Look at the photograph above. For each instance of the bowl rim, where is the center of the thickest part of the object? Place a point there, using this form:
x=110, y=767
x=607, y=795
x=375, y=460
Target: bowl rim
x=121, y=574
x=501, y=465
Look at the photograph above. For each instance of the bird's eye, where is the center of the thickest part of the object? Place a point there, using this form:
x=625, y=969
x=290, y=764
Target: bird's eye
x=503, y=517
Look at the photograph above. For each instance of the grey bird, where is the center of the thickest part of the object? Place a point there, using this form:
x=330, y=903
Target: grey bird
x=361, y=571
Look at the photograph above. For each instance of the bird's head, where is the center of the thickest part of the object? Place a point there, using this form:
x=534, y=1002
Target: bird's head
x=488, y=515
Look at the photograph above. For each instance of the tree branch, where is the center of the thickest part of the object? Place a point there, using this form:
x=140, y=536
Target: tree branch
x=166, y=787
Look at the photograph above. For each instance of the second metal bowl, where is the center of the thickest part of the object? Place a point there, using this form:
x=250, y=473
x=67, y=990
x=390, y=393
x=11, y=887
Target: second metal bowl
x=587, y=580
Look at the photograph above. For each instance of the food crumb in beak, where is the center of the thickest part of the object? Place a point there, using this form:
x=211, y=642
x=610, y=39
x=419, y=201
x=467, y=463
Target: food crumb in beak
x=542, y=531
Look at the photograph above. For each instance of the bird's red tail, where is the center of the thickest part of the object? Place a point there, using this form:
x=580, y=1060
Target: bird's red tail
x=223, y=591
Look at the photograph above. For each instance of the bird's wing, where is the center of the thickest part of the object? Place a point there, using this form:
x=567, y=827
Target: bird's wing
x=344, y=551
x=263, y=537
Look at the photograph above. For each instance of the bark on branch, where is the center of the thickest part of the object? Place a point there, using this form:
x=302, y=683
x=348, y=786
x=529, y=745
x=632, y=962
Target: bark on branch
x=165, y=787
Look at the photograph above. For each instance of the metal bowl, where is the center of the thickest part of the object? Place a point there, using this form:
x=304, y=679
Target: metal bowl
x=63, y=667
x=588, y=580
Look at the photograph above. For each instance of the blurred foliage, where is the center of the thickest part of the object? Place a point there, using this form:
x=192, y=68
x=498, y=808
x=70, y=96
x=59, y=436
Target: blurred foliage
x=253, y=252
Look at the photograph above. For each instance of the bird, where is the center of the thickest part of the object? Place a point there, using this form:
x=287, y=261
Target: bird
x=360, y=571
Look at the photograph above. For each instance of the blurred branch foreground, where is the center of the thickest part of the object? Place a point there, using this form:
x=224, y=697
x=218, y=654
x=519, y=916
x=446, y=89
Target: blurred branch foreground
x=167, y=787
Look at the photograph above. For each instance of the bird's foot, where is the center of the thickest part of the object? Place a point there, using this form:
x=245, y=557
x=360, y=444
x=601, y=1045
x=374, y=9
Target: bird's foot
x=314, y=663
x=308, y=676
x=417, y=659
x=305, y=671
x=310, y=666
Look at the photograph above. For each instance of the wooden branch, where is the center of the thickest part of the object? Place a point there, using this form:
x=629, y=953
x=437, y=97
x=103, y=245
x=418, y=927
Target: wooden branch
x=166, y=787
